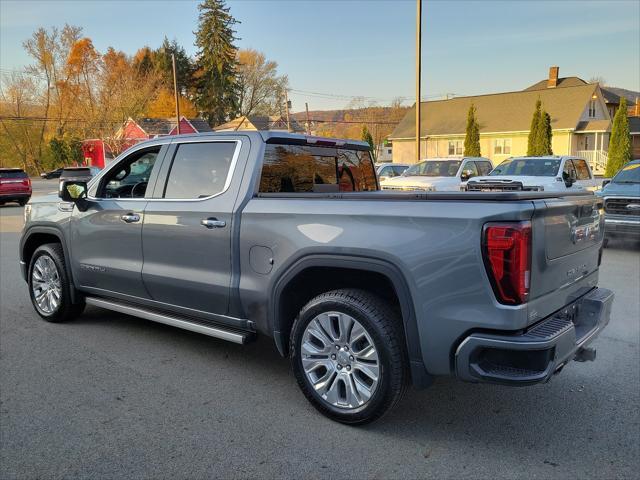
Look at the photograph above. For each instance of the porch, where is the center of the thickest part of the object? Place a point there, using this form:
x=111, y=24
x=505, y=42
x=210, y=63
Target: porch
x=597, y=159
x=593, y=147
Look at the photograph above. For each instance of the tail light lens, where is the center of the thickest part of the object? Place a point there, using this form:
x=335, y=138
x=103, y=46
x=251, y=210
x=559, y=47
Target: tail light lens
x=506, y=248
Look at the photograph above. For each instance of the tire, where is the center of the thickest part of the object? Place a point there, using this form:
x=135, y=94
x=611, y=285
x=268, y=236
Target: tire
x=49, y=265
x=23, y=201
x=349, y=396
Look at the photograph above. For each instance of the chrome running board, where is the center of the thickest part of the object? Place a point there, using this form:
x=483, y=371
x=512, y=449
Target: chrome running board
x=175, y=321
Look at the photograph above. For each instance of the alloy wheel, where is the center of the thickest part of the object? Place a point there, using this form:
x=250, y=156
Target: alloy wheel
x=340, y=360
x=46, y=285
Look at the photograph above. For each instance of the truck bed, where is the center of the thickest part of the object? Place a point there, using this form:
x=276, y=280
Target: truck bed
x=439, y=196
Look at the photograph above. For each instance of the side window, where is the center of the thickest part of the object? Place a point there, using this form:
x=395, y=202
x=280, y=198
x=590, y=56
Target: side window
x=199, y=170
x=300, y=169
x=582, y=169
x=399, y=170
x=568, y=168
x=130, y=178
x=483, y=168
x=387, y=172
x=470, y=168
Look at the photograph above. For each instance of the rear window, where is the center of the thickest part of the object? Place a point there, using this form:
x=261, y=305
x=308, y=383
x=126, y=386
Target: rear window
x=12, y=174
x=303, y=169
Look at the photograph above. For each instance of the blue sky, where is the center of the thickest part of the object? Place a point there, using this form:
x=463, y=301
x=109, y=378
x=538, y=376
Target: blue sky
x=366, y=48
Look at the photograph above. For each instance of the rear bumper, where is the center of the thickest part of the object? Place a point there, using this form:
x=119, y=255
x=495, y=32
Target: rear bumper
x=621, y=226
x=542, y=350
x=14, y=196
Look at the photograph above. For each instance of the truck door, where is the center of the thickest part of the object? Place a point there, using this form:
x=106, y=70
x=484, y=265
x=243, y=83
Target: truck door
x=106, y=239
x=186, y=234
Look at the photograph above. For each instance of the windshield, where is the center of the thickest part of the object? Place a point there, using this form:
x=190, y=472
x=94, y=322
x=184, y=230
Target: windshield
x=434, y=168
x=628, y=174
x=534, y=167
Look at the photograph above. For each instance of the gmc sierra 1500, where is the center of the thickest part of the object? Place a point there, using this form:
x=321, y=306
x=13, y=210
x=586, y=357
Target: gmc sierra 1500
x=238, y=234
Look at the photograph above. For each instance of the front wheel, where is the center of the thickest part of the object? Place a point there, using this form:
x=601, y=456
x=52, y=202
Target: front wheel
x=50, y=286
x=348, y=355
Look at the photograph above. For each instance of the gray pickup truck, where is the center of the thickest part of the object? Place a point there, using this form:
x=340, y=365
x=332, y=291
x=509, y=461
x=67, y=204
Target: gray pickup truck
x=241, y=234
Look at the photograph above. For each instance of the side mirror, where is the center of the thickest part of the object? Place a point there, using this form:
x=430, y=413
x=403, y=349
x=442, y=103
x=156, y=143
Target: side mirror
x=606, y=182
x=466, y=175
x=72, y=190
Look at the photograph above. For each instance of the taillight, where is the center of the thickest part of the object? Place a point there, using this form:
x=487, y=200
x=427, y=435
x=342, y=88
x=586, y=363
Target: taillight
x=506, y=248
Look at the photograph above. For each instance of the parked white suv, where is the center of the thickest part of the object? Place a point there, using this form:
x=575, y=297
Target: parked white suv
x=551, y=173
x=439, y=174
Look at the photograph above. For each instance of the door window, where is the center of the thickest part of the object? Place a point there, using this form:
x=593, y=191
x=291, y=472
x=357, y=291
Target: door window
x=582, y=169
x=568, y=168
x=471, y=169
x=199, y=170
x=130, y=178
x=387, y=172
x=484, y=168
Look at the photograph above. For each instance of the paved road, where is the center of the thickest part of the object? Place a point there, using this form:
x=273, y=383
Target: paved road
x=111, y=396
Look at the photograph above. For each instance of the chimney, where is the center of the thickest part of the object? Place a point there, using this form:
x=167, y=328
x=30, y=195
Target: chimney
x=553, y=77
x=637, y=108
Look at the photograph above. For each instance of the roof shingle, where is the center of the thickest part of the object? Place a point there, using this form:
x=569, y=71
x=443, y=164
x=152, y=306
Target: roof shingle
x=501, y=112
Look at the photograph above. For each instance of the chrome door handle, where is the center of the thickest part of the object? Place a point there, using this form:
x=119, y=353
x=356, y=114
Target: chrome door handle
x=213, y=223
x=130, y=217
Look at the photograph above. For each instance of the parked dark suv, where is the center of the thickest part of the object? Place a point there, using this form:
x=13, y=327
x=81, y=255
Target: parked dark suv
x=15, y=186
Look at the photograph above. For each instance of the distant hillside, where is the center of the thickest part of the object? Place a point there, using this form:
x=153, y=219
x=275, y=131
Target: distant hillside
x=388, y=114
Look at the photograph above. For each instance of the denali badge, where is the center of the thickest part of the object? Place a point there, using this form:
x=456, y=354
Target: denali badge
x=92, y=268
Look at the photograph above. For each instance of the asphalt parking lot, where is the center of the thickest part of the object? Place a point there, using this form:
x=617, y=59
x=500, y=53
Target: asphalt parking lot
x=110, y=396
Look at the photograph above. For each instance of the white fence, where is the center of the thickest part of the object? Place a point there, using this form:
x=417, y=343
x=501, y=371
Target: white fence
x=597, y=160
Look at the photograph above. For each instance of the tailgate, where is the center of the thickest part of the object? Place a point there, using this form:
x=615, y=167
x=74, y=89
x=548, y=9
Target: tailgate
x=566, y=249
x=14, y=185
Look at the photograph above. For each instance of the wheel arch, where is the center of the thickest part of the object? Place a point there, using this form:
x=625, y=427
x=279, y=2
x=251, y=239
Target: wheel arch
x=282, y=316
x=40, y=235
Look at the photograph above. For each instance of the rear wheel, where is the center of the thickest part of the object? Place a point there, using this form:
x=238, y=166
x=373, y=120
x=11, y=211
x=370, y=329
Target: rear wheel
x=23, y=201
x=50, y=286
x=347, y=352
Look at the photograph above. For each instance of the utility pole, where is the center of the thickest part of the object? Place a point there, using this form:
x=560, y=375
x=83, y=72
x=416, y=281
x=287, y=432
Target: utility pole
x=286, y=99
x=175, y=90
x=306, y=106
x=418, y=67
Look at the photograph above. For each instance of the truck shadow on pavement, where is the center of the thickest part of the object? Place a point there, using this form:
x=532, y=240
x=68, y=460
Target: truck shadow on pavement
x=517, y=419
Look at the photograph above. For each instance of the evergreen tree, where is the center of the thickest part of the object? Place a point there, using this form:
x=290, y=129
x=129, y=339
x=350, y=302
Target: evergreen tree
x=533, y=131
x=472, y=137
x=620, y=143
x=163, y=65
x=544, y=135
x=215, y=77
x=367, y=137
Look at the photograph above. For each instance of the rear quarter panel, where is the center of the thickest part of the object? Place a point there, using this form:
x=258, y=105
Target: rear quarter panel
x=435, y=244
